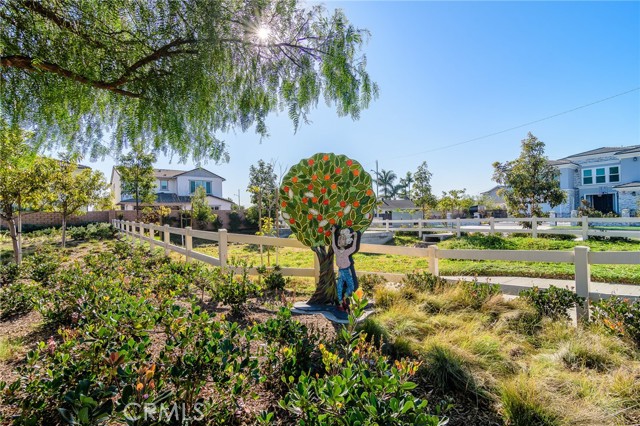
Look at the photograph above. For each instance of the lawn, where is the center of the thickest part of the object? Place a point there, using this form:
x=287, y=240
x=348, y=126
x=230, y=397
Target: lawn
x=102, y=325
x=303, y=258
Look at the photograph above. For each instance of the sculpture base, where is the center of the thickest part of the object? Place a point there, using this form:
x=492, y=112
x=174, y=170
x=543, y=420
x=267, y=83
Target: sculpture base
x=330, y=312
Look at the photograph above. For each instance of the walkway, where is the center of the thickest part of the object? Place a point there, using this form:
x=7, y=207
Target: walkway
x=514, y=285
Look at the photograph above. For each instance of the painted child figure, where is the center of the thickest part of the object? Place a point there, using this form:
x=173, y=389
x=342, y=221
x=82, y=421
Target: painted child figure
x=347, y=243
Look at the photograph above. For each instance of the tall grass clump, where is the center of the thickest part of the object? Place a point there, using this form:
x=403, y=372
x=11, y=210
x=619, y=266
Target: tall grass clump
x=445, y=370
x=522, y=405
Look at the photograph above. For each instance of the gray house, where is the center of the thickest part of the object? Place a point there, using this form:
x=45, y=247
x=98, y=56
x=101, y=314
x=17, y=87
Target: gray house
x=608, y=178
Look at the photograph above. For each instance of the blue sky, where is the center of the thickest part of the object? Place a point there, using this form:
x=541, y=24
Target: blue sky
x=454, y=71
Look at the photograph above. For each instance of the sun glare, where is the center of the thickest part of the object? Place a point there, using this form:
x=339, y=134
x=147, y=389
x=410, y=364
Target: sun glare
x=263, y=33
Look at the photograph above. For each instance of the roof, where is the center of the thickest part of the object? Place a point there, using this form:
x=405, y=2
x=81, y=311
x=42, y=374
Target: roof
x=559, y=162
x=170, y=173
x=635, y=184
x=397, y=204
x=613, y=150
x=171, y=198
x=492, y=189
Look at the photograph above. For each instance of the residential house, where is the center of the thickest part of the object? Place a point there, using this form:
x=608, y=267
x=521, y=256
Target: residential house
x=494, y=197
x=398, y=210
x=174, y=189
x=607, y=178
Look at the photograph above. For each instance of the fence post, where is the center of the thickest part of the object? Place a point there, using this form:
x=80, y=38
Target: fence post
x=188, y=242
x=433, y=260
x=421, y=225
x=583, y=278
x=492, y=226
x=167, y=239
x=386, y=225
x=585, y=228
x=458, y=233
x=222, y=248
x=534, y=227
x=152, y=236
x=141, y=233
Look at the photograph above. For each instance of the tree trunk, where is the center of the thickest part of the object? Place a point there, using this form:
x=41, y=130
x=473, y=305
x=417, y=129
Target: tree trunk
x=64, y=229
x=326, y=286
x=19, y=234
x=14, y=240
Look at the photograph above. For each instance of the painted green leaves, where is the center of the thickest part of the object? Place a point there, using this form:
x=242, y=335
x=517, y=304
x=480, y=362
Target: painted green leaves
x=325, y=190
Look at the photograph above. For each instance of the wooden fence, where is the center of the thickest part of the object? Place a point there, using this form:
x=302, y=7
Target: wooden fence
x=585, y=226
x=581, y=257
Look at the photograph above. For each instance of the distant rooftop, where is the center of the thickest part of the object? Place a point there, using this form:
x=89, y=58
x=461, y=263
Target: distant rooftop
x=613, y=150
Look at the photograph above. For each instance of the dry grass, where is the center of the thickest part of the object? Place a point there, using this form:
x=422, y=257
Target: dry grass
x=533, y=371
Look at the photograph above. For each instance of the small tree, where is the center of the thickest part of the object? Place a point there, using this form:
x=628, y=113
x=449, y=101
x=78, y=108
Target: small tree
x=421, y=194
x=74, y=189
x=456, y=200
x=263, y=188
x=137, y=178
x=529, y=180
x=200, y=209
x=24, y=179
x=405, y=185
x=319, y=192
x=386, y=179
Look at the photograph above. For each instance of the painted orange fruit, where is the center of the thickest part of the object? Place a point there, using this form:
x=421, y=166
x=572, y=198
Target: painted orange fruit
x=356, y=204
x=319, y=217
x=323, y=190
x=314, y=177
x=311, y=161
x=310, y=187
x=292, y=221
x=369, y=192
x=343, y=204
x=325, y=157
x=320, y=230
x=349, y=222
x=349, y=162
x=327, y=177
x=332, y=221
x=356, y=172
x=334, y=186
x=304, y=200
x=310, y=216
x=294, y=179
x=338, y=170
x=314, y=200
x=325, y=202
x=340, y=214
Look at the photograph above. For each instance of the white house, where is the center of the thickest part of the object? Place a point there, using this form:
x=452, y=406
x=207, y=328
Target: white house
x=174, y=189
x=607, y=178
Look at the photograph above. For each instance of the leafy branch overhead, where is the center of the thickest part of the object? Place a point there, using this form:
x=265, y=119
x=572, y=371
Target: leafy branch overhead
x=173, y=73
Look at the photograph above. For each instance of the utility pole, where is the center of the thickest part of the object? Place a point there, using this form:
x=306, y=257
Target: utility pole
x=238, y=198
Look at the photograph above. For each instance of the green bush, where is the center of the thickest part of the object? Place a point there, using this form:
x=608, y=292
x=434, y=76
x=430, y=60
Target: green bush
x=368, y=283
x=9, y=273
x=620, y=316
x=41, y=265
x=272, y=279
x=235, y=290
x=477, y=293
x=445, y=370
x=521, y=406
x=425, y=282
x=17, y=299
x=552, y=302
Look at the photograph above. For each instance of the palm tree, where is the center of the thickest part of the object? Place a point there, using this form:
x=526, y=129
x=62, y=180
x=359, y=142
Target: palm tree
x=386, y=180
x=405, y=185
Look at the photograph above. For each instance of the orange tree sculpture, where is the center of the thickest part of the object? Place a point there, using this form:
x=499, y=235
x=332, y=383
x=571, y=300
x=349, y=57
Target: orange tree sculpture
x=318, y=193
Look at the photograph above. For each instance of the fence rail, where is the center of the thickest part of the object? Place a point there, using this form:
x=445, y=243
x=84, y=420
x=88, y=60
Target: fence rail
x=580, y=257
x=492, y=226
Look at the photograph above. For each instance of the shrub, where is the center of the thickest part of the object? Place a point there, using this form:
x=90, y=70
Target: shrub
x=578, y=355
x=235, y=291
x=41, y=266
x=9, y=273
x=552, y=302
x=475, y=293
x=522, y=407
x=17, y=299
x=369, y=282
x=374, y=331
x=385, y=297
x=273, y=279
x=620, y=316
x=424, y=281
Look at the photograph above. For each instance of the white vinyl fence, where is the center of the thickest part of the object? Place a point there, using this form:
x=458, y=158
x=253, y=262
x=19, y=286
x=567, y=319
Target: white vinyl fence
x=581, y=257
x=582, y=226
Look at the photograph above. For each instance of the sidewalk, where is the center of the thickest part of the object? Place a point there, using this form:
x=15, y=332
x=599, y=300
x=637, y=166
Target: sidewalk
x=514, y=285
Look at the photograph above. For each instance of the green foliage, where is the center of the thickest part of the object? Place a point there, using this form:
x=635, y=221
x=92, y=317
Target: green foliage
x=168, y=74
x=235, y=290
x=41, y=266
x=17, y=299
x=137, y=178
x=272, y=279
x=477, y=293
x=425, y=282
x=263, y=187
x=529, y=180
x=369, y=282
x=422, y=193
x=620, y=316
x=9, y=273
x=200, y=207
x=385, y=179
x=75, y=189
x=93, y=231
x=455, y=201
x=235, y=222
x=326, y=190
x=359, y=386
x=552, y=302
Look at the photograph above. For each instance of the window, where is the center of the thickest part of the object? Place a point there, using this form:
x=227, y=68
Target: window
x=587, y=177
x=193, y=184
x=614, y=174
x=600, y=176
x=164, y=185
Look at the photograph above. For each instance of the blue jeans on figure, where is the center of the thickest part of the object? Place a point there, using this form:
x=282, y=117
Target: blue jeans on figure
x=344, y=279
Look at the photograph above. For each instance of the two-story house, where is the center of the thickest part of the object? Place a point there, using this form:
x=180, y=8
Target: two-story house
x=174, y=189
x=608, y=178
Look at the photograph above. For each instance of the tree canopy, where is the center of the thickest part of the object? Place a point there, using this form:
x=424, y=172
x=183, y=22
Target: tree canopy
x=421, y=194
x=529, y=180
x=137, y=178
x=102, y=75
